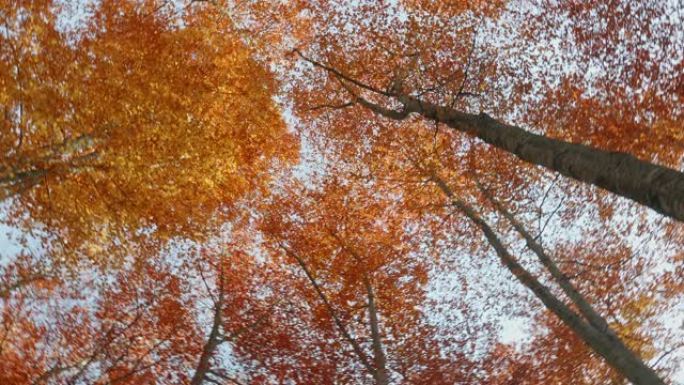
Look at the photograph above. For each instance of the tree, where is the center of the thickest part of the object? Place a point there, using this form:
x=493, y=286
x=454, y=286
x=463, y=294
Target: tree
x=148, y=135
x=406, y=76
x=144, y=118
x=69, y=332
x=151, y=322
x=400, y=62
x=587, y=323
x=556, y=286
x=360, y=281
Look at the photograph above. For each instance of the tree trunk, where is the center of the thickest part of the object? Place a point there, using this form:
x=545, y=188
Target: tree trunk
x=213, y=341
x=657, y=187
x=585, y=308
x=21, y=174
x=609, y=346
x=381, y=374
x=358, y=350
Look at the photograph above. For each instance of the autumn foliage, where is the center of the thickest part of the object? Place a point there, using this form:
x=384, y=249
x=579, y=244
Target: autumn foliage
x=103, y=136
x=332, y=192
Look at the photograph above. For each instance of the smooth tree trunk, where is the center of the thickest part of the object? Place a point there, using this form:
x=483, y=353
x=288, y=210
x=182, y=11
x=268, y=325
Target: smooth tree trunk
x=658, y=187
x=21, y=174
x=603, y=342
x=213, y=341
x=358, y=350
x=585, y=308
x=381, y=373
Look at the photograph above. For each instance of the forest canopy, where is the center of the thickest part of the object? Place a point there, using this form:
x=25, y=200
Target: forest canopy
x=341, y=192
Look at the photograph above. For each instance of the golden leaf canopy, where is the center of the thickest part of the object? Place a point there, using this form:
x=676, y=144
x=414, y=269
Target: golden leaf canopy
x=145, y=117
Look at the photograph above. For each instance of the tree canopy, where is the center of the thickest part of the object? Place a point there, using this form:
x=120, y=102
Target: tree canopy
x=333, y=192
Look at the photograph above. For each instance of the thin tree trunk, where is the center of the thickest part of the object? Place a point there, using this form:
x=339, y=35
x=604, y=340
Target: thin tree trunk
x=338, y=322
x=213, y=341
x=561, y=279
x=381, y=372
x=657, y=187
x=611, y=348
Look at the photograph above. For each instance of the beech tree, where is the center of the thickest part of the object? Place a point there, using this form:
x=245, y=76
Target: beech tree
x=143, y=118
x=143, y=324
x=420, y=63
x=567, y=290
x=66, y=333
x=341, y=192
x=362, y=277
x=401, y=62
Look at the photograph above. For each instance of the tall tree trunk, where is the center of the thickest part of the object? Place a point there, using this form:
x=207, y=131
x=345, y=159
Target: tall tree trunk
x=657, y=187
x=358, y=350
x=585, y=308
x=213, y=341
x=381, y=372
x=606, y=344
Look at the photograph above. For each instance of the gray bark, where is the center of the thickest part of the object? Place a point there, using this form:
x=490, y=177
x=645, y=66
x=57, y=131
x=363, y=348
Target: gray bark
x=381, y=374
x=649, y=184
x=213, y=341
x=609, y=346
x=658, y=187
x=558, y=276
